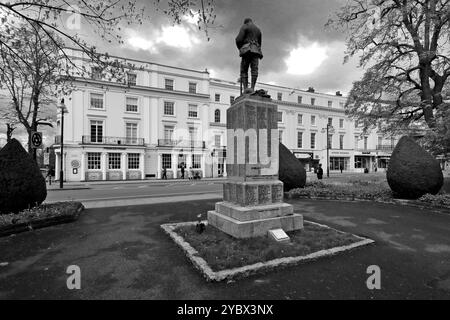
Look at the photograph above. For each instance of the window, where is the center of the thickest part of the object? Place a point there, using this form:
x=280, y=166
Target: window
x=131, y=79
x=356, y=124
x=168, y=133
x=217, y=97
x=217, y=116
x=336, y=163
x=341, y=123
x=192, y=87
x=168, y=84
x=280, y=135
x=362, y=162
x=341, y=142
x=167, y=161
x=341, y=105
x=133, y=161
x=193, y=111
x=356, y=142
x=94, y=162
x=97, y=100
x=299, y=99
x=131, y=133
x=313, y=101
x=131, y=104
x=300, y=119
x=114, y=161
x=196, y=161
x=313, y=140
x=330, y=104
x=279, y=96
x=330, y=141
x=217, y=140
x=193, y=132
x=330, y=122
x=392, y=142
x=365, y=143
x=232, y=99
x=169, y=109
x=313, y=120
x=380, y=141
x=299, y=139
x=96, y=73
x=96, y=131
x=280, y=116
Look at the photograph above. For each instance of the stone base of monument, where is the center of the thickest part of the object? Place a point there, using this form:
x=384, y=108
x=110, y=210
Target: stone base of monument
x=251, y=209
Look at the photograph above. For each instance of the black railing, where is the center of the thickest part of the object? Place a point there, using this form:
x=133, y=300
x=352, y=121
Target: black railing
x=181, y=143
x=113, y=140
x=385, y=147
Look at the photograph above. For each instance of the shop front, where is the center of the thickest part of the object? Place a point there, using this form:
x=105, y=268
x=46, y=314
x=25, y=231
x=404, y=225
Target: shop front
x=365, y=161
x=340, y=160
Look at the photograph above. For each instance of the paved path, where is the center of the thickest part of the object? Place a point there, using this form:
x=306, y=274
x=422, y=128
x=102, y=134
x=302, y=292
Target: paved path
x=123, y=253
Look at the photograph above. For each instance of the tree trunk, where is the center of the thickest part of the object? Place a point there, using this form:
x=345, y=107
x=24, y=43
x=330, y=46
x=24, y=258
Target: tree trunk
x=9, y=132
x=427, y=93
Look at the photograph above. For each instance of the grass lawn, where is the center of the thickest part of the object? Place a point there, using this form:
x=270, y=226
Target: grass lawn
x=222, y=251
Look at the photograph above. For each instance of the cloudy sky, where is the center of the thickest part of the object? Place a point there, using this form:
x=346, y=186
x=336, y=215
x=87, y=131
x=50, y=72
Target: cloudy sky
x=298, y=50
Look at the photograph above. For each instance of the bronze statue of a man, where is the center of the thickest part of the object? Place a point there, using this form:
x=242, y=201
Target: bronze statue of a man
x=249, y=42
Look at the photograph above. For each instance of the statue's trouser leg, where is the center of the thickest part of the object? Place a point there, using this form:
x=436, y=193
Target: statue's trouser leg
x=254, y=67
x=245, y=63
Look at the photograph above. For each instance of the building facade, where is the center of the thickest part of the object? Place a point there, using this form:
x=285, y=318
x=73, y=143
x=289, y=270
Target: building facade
x=163, y=118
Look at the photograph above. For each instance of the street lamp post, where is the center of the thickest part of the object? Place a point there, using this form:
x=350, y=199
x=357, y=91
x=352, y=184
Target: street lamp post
x=61, y=158
x=329, y=130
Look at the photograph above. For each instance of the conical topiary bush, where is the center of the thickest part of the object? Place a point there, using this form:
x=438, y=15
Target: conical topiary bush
x=412, y=171
x=22, y=185
x=291, y=171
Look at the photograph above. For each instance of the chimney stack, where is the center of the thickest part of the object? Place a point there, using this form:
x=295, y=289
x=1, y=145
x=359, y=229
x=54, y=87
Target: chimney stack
x=311, y=89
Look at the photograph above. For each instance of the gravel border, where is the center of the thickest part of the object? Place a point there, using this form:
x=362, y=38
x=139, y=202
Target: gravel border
x=403, y=202
x=210, y=275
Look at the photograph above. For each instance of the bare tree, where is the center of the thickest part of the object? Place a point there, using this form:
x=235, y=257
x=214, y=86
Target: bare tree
x=106, y=17
x=35, y=79
x=403, y=45
x=34, y=64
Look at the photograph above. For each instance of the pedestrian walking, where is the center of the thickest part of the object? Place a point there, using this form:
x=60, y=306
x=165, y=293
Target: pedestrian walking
x=164, y=174
x=341, y=168
x=182, y=171
x=190, y=175
x=50, y=174
x=320, y=172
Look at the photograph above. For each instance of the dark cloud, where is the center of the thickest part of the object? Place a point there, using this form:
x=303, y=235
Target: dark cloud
x=286, y=25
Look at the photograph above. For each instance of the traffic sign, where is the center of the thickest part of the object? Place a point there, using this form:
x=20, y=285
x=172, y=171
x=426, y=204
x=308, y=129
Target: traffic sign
x=36, y=139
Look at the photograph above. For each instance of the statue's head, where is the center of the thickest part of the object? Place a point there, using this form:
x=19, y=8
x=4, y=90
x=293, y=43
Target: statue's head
x=247, y=20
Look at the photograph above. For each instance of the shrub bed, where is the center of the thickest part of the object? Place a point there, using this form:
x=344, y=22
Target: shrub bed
x=363, y=190
x=439, y=200
x=40, y=217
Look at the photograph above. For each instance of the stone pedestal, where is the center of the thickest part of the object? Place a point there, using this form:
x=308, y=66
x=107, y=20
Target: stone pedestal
x=253, y=196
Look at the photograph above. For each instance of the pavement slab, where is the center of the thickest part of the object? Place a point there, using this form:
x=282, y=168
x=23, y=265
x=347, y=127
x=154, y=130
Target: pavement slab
x=124, y=254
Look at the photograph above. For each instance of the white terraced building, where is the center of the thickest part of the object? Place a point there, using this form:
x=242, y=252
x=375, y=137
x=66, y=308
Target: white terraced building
x=166, y=117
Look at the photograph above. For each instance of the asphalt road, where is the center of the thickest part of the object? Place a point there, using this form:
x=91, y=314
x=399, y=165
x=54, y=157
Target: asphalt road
x=124, y=254
x=133, y=191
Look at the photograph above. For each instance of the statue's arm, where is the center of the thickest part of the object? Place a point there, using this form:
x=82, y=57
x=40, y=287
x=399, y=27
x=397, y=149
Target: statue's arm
x=240, y=38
